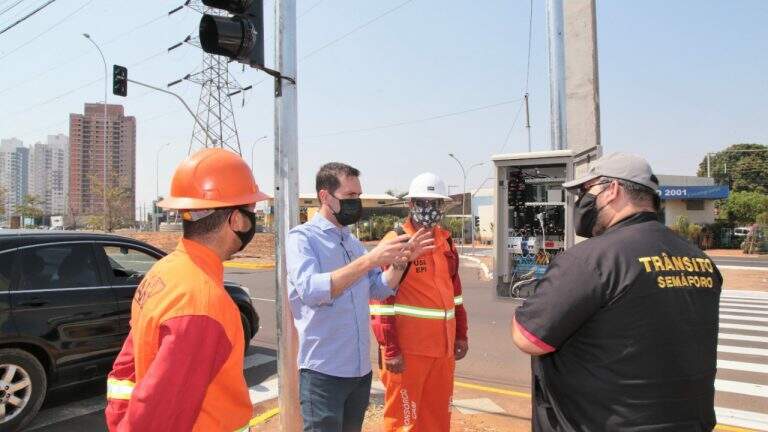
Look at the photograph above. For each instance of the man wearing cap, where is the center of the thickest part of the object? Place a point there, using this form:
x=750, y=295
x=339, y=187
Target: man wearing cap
x=422, y=330
x=623, y=326
x=181, y=367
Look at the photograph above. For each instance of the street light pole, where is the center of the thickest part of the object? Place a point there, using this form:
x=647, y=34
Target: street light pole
x=463, y=200
x=253, y=148
x=106, y=80
x=472, y=207
x=155, y=222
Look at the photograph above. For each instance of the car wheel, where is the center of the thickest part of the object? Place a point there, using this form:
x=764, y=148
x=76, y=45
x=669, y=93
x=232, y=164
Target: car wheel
x=247, y=335
x=22, y=388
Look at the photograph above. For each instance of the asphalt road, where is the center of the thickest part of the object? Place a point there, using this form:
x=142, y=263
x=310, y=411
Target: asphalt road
x=742, y=381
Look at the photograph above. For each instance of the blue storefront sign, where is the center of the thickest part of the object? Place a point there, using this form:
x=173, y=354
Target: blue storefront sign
x=693, y=192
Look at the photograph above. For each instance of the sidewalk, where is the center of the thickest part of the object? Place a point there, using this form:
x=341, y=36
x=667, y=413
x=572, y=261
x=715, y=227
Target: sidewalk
x=476, y=408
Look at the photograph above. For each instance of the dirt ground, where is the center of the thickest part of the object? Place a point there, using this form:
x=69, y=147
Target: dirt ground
x=260, y=250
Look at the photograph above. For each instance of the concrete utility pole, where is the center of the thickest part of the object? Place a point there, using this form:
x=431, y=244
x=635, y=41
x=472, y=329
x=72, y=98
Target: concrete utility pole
x=286, y=208
x=582, y=103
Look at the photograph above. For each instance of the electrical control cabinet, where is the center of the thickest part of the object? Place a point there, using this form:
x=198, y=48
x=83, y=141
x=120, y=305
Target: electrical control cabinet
x=534, y=215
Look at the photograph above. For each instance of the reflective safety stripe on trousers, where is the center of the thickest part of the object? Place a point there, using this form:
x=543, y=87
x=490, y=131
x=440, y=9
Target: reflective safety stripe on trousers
x=119, y=389
x=123, y=389
x=417, y=312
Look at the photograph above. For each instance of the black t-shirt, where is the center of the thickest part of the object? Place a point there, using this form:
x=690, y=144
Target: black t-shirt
x=633, y=318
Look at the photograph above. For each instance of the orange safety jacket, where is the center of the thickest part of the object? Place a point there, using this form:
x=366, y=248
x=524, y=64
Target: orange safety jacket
x=181, y=367
x=427, y=314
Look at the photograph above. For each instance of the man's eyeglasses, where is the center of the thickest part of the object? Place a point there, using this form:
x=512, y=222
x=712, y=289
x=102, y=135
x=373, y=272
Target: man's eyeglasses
x=584, y=189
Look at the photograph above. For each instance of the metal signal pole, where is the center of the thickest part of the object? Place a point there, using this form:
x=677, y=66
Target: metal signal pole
x=286, y=207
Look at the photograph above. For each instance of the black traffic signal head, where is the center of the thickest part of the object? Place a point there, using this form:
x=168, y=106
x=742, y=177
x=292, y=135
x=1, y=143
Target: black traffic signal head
x=239, y=37
x=119, y=80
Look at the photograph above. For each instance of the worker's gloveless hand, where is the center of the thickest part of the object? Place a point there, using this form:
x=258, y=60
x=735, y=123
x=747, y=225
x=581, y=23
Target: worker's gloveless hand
x=395, y=364
x=460, y=349
x=389, y=251
x=422, y=242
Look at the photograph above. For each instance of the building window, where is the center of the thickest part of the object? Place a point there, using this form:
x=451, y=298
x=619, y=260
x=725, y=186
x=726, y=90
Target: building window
x=694, y=204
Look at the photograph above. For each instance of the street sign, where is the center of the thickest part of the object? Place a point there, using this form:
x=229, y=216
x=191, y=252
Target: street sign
x=693, y=192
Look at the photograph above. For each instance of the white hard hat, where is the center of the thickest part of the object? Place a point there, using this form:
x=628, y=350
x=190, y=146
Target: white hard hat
x=428, y=186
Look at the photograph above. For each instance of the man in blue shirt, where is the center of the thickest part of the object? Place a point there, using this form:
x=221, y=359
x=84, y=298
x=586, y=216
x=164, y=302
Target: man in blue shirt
x=331, y=278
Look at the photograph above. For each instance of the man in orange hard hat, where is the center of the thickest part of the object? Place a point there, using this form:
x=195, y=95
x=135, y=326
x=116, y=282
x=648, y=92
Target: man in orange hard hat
x=181, y=367
x=422, y=329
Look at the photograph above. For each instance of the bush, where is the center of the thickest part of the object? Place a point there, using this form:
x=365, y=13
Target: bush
x=690, y=231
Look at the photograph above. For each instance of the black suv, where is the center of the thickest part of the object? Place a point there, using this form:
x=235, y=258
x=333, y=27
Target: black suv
x=65, y=305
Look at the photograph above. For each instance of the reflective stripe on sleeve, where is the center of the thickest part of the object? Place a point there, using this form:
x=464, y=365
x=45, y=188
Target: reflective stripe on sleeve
x=381, y=309
x=412, y=311
x=458, y=300
x=119, y=389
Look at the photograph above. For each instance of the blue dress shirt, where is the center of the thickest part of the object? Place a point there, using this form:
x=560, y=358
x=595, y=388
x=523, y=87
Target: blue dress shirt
x=333, y=333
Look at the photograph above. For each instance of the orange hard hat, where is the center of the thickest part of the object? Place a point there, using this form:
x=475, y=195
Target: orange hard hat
x=212, y=178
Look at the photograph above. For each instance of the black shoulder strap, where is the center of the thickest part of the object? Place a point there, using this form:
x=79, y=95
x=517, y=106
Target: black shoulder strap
x=400, y=231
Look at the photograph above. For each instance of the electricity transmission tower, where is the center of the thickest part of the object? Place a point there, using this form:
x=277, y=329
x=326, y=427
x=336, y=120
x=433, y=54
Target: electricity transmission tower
x=217, y=86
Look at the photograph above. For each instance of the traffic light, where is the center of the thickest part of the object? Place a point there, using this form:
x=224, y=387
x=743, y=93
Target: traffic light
x=119, y=80
x=477, y=222
x=240, y=36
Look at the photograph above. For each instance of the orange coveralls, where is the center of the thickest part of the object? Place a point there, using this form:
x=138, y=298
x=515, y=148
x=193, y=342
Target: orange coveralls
x=422, y=321
x=181, y=367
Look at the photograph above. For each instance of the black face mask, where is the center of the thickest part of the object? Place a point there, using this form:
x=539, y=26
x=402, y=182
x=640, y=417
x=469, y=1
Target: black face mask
x=585, y=214
x=246, y=236
x=350, y=211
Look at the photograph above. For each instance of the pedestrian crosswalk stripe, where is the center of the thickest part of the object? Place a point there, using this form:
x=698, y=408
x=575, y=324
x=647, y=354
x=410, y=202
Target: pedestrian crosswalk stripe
x=745, y=311
x=747, y=419
x=740, y=337
x=742, y=350
x=760, y=328
x=758, y=295
x=741, y=318
x=742, y=366
x=742, y=305
x=739, y=387
x=744, y=300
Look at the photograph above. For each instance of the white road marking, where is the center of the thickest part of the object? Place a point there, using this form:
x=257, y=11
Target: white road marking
x=733, y=304
x=745, y=419
x=257, y=359
x=741, y=318
x=740, y=337
x=733, y=267
x=478, y=406
x=742, y=350
x=745, y=311
x=69, y=411
x=263, y=392
x=742, y=366
x=743, y=327
x=743, y=388
x=757, y=295
x=263, y=299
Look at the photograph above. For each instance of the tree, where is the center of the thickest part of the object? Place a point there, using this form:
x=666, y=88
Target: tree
x=2, y=200
x=742, y=170
x=29, y=207
x=395, y=193
x=744, y=207
x=119, y=210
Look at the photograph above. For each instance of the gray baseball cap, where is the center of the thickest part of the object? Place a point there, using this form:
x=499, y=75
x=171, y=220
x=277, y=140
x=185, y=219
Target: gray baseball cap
x=623, y=166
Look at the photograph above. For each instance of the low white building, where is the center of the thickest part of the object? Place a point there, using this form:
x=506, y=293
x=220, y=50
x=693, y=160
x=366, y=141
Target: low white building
x=689, y=196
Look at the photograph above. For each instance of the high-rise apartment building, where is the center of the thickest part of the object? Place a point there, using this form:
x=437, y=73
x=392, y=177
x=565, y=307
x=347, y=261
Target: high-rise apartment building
x=49, y=178
x=14, y=175
x=87, y=159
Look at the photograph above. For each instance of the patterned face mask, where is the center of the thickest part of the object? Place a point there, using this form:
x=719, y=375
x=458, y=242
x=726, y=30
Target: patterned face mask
x=427, y=213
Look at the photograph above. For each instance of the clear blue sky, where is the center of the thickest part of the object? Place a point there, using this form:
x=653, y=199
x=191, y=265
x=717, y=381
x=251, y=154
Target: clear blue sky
x=677, y=79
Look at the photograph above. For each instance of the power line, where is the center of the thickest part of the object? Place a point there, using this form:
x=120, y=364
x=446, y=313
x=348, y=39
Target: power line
x=69, y=92
x=356, y=29
x=509, y=133
x=530, y=33
x=58, y=23
x=10, y=7
x=407, y=122
x=309, y=9
x=27, y=16
x=58, y=65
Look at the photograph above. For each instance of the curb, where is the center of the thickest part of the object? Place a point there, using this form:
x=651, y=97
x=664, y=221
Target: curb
x=249, y=266
x=486, y=272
